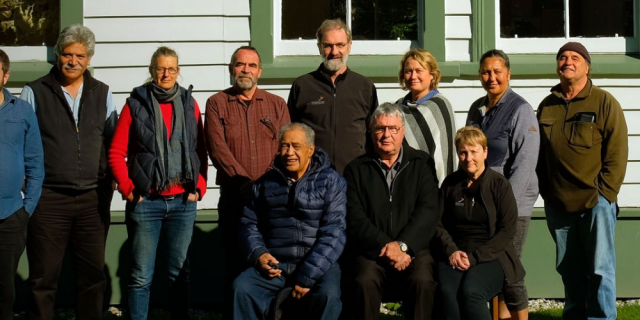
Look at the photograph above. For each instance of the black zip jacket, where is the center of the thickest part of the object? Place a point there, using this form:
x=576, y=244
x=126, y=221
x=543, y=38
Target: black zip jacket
x=377, y=215
x=338, y=114
x=502, y=211
x=75, y=157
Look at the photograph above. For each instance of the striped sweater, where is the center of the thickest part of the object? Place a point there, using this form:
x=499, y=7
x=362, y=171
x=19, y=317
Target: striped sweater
x=431, y=127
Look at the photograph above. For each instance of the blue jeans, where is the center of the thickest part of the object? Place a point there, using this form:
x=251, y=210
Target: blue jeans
x=147, y=221
x=253, y=294
x=586, y=259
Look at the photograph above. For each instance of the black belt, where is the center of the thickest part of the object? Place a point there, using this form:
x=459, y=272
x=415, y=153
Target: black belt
x=166, y=198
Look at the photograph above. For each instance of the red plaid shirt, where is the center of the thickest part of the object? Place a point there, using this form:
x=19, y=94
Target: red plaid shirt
x=242, y=140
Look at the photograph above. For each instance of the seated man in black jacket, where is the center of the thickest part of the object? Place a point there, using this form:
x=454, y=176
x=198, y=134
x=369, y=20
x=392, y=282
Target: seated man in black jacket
x=392, y=210
x=292, y=232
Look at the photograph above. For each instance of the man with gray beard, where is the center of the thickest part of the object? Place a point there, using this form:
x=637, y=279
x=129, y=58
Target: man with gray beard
x=242, y=125
x=333, y=100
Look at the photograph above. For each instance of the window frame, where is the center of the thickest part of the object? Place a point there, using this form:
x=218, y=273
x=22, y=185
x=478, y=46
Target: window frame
x=308, y=47
x=550, y=45
x=431, y=36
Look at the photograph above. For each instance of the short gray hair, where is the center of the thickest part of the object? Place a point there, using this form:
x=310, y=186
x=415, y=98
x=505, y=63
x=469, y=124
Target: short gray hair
x=386, y=109
x=76, y=33
x=332, y=24
x=309, y=134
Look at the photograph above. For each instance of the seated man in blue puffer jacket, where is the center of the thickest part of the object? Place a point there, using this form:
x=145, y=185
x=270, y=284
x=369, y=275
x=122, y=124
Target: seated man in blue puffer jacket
x=292, y=232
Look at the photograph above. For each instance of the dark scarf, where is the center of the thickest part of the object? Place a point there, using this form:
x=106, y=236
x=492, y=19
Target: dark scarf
x=174, y=163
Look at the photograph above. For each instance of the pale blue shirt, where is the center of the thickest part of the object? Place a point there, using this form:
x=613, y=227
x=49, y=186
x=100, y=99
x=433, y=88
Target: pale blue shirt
x=27, y=95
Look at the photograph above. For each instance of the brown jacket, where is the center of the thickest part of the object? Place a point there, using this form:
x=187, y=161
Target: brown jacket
x=583, y=148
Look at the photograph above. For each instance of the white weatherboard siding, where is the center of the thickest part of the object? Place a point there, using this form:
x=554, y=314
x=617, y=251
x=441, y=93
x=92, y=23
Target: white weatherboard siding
x=457, y=30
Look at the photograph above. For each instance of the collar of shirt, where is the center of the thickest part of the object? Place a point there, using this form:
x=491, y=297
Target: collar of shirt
x=428, y=97
x=74, y=103
x=390, y=172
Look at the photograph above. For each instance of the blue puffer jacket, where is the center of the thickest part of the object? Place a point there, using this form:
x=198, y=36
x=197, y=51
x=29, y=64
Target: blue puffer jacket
x=304, y=229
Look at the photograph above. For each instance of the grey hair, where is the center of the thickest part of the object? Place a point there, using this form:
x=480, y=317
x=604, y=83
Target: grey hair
x=386, y=109
x=309, y=134
x=76, y=33
x=332, y=24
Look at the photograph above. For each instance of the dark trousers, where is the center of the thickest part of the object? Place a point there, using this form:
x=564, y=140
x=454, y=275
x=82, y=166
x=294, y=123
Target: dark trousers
x=464, y=294
x=415, y=286
x=13, y=231
x=78, y=219
x=253, y=296
x=230, y=209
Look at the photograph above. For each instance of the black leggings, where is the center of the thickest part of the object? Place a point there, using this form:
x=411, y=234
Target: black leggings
x=465, y=293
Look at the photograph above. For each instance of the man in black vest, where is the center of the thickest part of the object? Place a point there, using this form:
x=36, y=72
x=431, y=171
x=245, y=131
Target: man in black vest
x=77, y=116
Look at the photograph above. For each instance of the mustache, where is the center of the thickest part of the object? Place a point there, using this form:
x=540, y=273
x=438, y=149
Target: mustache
x=67, y=66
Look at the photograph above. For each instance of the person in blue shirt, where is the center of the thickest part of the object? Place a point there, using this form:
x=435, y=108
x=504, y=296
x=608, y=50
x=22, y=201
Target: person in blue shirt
x=21, y=172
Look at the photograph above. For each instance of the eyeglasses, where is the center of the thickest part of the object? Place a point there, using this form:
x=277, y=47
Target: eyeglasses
x=383, y=129
x=161, y=70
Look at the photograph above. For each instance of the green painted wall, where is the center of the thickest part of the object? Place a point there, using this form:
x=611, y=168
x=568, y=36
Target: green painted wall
x=206, y=262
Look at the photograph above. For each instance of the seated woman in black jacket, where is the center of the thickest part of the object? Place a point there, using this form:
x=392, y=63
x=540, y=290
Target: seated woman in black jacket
x=476, y=231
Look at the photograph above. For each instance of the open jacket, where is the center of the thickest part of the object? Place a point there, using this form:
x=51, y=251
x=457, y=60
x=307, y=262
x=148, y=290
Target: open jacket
x=302, y=226
x=502, y=210
x=377, y=215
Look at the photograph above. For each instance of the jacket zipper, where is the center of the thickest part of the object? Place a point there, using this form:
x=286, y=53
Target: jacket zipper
x=390, y=190
x=333, y=122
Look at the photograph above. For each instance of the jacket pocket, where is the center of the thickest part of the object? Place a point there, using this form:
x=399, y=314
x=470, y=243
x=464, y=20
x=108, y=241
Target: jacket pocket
x=14, y=131
x=546, y=127
x=582, y=134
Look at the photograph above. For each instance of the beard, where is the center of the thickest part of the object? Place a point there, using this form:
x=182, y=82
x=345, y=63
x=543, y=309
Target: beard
x=334, y=65
x=245, y=82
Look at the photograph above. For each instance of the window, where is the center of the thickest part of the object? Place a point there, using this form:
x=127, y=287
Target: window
x=378, y=26
x=542, y=26
x=28, y=27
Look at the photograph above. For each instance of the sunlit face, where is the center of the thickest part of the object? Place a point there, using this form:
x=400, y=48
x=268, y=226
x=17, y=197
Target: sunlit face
x=165, y=72
x=295, y=152
x=334, y=49
x=417, y=78
x=472, y=159
x=386, y=142
x=246, y=70
x=73, y=61
x=494, y=76
x=572, y=66
x=5, y=76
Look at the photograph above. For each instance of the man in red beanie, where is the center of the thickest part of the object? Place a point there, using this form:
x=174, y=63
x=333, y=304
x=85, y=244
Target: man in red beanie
x=582, y=163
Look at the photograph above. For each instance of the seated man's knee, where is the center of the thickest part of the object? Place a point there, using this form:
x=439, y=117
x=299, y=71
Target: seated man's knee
x=421, y=278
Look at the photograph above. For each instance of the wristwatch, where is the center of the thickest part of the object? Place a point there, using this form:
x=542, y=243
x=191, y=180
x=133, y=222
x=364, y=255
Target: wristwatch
x=403, y=246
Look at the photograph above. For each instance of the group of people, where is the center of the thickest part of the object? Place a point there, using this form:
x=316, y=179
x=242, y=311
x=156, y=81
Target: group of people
x=329, y=203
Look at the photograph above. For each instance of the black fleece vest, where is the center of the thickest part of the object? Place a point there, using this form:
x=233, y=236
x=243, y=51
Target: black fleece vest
x=142, y=157
x=74, y=157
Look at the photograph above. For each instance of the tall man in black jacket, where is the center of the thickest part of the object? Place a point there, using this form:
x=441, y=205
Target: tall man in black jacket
x=392, y=209
x=333, y=100
x=77, y=118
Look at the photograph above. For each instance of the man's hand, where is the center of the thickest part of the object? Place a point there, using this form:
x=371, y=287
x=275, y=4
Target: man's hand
x=269, y=265
x=392, y=252
x=299, y=292
x=403, y=263
x=459, y=260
